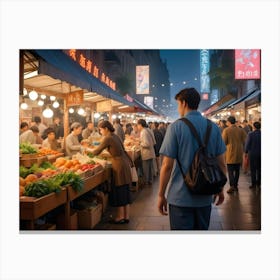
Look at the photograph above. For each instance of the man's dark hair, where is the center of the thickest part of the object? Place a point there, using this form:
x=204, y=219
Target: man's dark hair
x=156, y=124
x=49, y=130
x=190, y=96
x=257, y=125
x=142, y=122
x=117, y=120
x=23, y=125
x=34, y=128
x=231, y=119
x=37, y=119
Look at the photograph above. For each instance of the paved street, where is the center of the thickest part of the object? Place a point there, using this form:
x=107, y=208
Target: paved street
x=240, y=211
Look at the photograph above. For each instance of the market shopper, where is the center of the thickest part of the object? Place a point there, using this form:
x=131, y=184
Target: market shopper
x=120, y=193
x=186, y=210
x=118, y=129
x=50, y=142
x=23, y=127
x=135, y=133
x=147, y=143
x=253, y=149
x=31, y=136
x=86, y=133
x=58, y=128
x=159, y=139
x=72, y=144
x=234, y=138
x=40, y=125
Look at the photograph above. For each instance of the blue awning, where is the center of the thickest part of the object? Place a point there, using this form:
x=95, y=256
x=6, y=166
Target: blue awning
x=246, y=97
x=57, y=64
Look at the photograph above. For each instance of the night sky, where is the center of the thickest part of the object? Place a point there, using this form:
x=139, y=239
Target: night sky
x=183, y=66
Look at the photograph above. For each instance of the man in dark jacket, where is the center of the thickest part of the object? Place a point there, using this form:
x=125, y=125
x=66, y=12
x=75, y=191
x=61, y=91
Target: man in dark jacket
x=253, y=148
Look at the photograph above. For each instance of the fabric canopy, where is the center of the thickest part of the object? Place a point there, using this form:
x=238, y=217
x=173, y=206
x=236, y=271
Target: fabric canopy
x=57, y=64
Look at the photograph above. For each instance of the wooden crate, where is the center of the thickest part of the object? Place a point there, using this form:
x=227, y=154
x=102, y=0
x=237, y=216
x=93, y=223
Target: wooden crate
x=31, y=208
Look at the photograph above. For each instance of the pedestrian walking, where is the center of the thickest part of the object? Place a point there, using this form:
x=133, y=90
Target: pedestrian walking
x=234, y=138
x=253, y=149
x=186, y=210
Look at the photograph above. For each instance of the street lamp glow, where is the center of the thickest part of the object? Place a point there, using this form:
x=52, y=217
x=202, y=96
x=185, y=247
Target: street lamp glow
x=171, y=84
x=71, y=110
x=184, y=82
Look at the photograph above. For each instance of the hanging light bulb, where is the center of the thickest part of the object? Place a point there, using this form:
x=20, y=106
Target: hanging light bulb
x=114, y=117
x=55, y=104
x=81, y=111
x=52, y=98
x=33, y=95
x=96, y=115
x=43, y=96
x=71, y=110
x=40, y=103
x=25, y=92
x=23, y=105
x=48, y=113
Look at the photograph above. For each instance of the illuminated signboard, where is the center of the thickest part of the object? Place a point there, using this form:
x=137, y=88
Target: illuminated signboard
x=142, y=79
x=75, y=98
x=149, y=101
x=89, y=66
x=247, y=64
x=204, y=69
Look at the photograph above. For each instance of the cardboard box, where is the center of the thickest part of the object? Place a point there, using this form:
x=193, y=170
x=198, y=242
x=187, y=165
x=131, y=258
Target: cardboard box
x=60, y=223
x=90, y=217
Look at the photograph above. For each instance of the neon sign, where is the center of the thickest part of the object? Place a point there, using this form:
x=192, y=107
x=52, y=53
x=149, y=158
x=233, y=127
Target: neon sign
x=247, y=64
x=204, y=69
x=90, y=67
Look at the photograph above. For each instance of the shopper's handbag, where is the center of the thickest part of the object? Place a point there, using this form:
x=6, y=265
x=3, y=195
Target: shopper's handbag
x=134, y=174
x=204, y=176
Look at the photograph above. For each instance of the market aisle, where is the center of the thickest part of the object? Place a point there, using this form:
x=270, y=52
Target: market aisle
x=240, y=211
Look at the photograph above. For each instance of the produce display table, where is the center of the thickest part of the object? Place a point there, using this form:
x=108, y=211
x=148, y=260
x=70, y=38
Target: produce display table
x=33, y=208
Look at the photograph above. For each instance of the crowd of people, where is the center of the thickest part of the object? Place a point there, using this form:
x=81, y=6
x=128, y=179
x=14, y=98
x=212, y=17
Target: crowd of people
x=236, y=145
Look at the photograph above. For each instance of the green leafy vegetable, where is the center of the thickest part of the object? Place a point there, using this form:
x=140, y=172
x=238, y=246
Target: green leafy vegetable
x=24, y=172
x=46, y=165
x=27, y=148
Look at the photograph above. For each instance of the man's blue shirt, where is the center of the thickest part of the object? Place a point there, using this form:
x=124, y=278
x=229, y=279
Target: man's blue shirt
x=180, y=143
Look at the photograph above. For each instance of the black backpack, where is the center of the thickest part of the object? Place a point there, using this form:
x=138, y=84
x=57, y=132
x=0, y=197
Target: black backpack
x=204, y=176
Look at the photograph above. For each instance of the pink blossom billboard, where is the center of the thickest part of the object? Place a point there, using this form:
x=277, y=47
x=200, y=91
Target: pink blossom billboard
x=247, y=64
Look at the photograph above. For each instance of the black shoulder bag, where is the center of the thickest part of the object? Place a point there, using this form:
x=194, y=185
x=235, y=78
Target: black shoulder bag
x=204, y=176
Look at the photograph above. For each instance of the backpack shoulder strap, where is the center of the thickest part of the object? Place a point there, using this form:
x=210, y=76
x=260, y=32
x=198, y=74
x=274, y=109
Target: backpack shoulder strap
x=193, y=130
x=208, y=131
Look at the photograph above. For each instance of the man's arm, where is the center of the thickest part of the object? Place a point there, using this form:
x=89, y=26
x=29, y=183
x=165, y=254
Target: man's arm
x=165, y=173
x=222, y=164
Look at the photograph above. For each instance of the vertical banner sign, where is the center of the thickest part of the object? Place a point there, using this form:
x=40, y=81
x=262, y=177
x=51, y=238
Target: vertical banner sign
x=204, y=69
x=247, y=64
x=75, y=98
x=149, y=101
x=142, y=79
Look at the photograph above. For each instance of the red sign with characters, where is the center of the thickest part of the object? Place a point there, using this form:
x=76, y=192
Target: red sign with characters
x=247, y=64
x=90, y=67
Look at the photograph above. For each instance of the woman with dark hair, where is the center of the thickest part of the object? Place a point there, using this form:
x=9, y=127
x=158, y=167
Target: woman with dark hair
x=50, y=142
x=121, y=163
